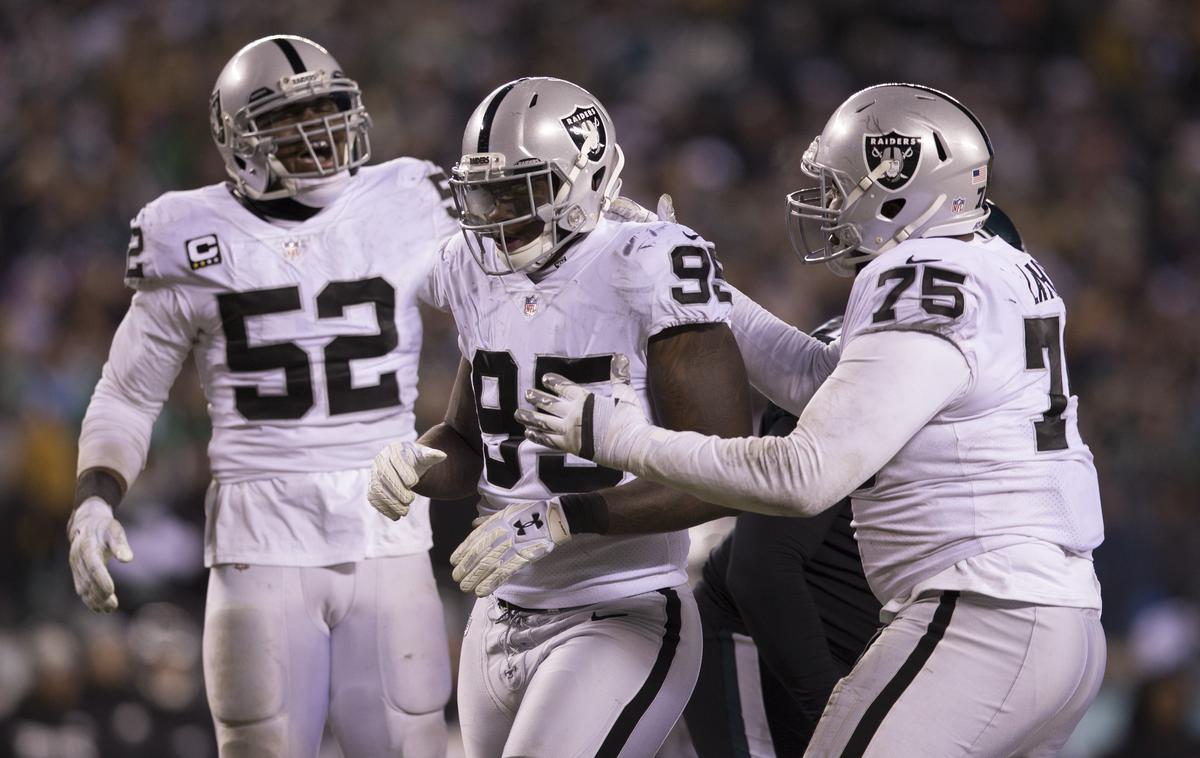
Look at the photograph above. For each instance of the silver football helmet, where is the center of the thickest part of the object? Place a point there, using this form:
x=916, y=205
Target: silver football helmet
x=894, y=161
x=539, y=165
x=286, y=119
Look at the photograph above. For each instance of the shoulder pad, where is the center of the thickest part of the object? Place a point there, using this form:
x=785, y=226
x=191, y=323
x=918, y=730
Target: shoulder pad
x=663, y=235
x=920, y=285
x=173, y=237
x=426, y=181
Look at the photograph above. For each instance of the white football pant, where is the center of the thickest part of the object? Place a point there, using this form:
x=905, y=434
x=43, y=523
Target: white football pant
x=602, y=680
x=965, y=675
x=362, y=643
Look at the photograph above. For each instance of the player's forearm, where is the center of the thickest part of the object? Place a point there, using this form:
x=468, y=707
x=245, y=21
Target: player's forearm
x=885, y=389
x=782, y=362
x=640, y=507
x=147, y=351
x=458, y=475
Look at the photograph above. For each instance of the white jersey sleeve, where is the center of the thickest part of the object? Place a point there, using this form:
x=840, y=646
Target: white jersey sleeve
x=147, y=352
x=782, y=362
x=439, y=205
x=150, y=345
x=672, y=278
x=876, y=399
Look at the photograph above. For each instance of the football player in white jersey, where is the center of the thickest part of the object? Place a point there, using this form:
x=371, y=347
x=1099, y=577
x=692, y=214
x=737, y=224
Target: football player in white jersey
x=294, y=285
x=595, y=650
x=947, y=419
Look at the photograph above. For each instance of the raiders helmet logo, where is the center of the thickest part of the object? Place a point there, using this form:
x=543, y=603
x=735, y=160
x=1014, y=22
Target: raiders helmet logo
x=214, y=117
x=584, y=124
x=898, y=153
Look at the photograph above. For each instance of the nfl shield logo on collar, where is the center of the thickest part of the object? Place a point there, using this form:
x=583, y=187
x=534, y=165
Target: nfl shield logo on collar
x=531, y=306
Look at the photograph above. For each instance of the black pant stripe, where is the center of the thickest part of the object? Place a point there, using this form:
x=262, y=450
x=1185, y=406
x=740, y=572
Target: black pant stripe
x=875, y=713
x=636, y=708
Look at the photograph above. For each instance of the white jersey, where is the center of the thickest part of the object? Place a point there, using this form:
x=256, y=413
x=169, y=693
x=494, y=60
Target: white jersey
x=999, y=479
x=612, y=291
x=306, y=339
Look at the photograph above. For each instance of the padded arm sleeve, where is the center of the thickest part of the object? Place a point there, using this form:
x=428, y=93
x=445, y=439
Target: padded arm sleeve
x=147, y=352
x=885, y=388
x=782, y=362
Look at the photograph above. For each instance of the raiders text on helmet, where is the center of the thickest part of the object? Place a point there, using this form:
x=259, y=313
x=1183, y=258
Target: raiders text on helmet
x=539, y=164
x=265, y=77
x=894, y=161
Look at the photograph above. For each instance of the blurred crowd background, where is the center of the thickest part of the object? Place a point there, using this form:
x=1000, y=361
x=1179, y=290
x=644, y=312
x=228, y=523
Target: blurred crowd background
x=1093, y=106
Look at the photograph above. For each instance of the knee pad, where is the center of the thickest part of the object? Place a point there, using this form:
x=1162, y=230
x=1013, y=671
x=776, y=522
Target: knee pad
x=263, y=739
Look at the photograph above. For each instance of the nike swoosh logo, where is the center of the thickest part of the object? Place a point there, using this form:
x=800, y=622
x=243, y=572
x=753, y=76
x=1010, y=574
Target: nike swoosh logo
x=598, y=617
x=911, y=259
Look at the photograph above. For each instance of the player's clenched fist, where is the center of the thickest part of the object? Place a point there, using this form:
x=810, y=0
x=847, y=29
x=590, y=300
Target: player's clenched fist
x=396, y=470
x=95, y=537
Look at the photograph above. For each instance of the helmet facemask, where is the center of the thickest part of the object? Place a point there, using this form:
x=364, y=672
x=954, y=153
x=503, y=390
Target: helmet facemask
x=286, y=157
x=516, y=218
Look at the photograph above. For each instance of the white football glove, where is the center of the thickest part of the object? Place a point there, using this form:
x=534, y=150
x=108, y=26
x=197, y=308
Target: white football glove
x=576, y=421
x=506, y=542
x=627, y=209
x=395, y=471
x=95, y=537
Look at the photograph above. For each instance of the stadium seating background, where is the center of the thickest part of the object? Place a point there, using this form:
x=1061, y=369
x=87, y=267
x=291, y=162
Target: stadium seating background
x=1094, y=109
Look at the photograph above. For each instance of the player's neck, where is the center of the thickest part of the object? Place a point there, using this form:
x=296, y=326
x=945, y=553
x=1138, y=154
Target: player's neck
x=284, y=210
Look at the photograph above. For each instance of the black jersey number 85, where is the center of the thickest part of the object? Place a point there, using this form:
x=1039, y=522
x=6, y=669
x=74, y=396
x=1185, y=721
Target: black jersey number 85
x=236, y=307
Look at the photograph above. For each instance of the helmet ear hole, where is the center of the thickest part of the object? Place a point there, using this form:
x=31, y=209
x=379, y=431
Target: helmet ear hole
x=941, y=149
x=598, y=177
x=892, y=208
x=241, y=164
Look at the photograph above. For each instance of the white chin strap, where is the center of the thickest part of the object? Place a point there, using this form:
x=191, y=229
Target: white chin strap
x=320, y=192
x=524, y=257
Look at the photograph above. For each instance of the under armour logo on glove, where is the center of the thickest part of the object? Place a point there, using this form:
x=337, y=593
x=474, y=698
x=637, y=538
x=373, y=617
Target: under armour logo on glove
x=500, y=545
x=535, y=521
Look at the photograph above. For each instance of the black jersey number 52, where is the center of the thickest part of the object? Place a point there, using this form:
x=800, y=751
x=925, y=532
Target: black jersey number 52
x=236, y=307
